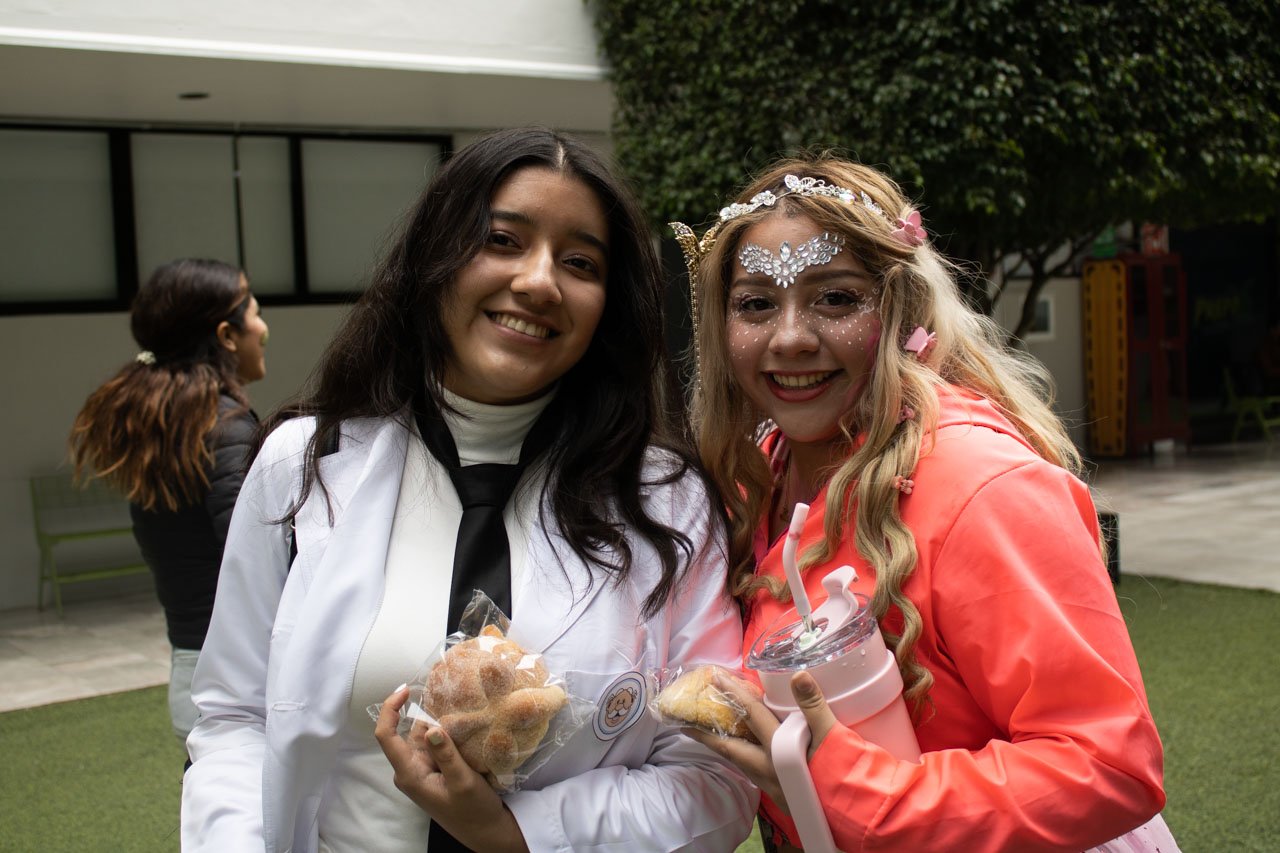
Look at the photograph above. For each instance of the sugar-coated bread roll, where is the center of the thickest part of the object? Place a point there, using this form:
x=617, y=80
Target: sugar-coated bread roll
x=694, y=698
x=493, y=699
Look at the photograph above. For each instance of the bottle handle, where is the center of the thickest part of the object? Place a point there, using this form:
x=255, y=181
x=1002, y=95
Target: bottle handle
x=790, y=751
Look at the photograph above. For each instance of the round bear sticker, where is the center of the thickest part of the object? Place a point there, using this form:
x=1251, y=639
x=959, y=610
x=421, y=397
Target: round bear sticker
x=621, y=705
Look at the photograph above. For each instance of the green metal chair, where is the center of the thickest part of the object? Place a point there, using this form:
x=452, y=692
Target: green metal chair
x=65, y=512
x=1264, y=409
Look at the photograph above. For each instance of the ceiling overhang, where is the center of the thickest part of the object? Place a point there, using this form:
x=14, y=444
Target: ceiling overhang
x=134, y=79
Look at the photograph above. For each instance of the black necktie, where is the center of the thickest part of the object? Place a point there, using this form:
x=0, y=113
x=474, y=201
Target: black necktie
x=482, y=557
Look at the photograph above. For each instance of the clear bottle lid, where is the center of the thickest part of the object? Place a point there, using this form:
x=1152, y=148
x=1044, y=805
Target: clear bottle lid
x=789, y=647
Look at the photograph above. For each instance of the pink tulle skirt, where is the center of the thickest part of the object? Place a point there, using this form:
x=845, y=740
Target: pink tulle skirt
x=1152, y=837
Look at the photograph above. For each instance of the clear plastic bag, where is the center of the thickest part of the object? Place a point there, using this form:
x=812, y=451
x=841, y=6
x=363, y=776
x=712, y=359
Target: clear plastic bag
x=691, y=698
x=503, y=709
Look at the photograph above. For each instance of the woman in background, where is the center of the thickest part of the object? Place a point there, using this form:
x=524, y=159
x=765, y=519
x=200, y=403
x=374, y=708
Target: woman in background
x=170, y=430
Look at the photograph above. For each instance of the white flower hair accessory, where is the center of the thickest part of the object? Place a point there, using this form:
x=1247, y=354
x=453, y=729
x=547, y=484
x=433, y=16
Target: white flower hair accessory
x=146, y=357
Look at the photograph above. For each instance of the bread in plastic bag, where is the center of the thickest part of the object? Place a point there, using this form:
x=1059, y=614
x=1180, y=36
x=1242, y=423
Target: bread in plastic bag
x=494, y=700
x=503, y=709
x=690, y=697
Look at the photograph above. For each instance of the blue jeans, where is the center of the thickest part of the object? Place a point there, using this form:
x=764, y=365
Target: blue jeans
x=182, y=711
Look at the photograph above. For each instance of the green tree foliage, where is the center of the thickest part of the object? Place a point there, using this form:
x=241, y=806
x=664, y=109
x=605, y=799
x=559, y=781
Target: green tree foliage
x=1021, y=127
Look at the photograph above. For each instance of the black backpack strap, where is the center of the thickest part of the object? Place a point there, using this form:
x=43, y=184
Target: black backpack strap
x=329, y=448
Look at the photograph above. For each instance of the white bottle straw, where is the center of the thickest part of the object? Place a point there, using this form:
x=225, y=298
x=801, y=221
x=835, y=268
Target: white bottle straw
x=792, y=571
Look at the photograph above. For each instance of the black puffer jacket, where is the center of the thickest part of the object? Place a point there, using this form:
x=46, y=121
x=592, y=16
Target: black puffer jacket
x=184, y=548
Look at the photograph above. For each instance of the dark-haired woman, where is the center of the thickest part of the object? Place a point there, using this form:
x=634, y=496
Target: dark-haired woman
x=517, y=315
x=171, y=430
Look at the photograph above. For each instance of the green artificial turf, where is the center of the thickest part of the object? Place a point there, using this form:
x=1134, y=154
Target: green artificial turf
x=105, y=773
x=752, y=844
x=1210, y=658
x=101, y=774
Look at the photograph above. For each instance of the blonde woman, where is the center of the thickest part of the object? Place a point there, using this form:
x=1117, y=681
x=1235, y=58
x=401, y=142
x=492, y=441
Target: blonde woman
x=832, y=337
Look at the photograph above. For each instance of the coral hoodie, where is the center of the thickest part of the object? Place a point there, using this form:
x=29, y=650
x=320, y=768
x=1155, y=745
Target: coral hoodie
x=1037, y=735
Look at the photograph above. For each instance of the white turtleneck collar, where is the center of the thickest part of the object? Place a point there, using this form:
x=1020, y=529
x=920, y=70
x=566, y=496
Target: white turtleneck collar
x=487, y=433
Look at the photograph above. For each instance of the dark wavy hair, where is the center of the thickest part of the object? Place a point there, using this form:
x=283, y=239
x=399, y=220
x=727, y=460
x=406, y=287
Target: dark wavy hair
x=617, y=400
x=145, y=431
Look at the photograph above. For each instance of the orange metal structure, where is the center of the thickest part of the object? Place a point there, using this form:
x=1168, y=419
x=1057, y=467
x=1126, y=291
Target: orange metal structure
x=1135, y=327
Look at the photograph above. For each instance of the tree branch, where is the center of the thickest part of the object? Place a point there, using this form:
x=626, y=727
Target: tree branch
x=1077, y=246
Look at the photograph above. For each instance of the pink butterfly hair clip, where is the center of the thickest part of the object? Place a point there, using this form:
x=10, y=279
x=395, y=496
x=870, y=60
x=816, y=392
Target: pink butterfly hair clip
x=920, y=342
x=910, y=231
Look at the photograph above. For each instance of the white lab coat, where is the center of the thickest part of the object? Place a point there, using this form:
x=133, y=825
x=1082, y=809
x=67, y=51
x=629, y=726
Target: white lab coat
x=274, y=679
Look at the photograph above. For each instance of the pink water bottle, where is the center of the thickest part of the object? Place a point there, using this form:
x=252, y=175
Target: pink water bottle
x=840, y=645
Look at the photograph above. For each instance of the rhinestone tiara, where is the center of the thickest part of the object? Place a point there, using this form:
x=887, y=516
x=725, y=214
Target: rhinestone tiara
x=793, y=185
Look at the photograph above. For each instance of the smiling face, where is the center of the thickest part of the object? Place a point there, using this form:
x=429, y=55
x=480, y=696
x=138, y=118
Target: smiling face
x=801, y=350
x=619, y=707
x=523, y=311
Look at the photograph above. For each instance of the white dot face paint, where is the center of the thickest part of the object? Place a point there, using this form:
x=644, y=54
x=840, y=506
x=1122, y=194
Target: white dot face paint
x=802, y=346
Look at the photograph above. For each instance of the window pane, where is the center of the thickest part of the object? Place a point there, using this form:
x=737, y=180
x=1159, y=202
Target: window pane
x=355, y=194
x=266, y=215
x=184, y=198
x=56, y=235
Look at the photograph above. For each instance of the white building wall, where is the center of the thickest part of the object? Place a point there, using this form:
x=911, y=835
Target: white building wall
x=51, y=363
x=453, y=68
x=538, y=38
x=1061, y=350
x=386, y=64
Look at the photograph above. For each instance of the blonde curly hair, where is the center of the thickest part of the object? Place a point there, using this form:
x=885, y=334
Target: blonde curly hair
x=918, y=287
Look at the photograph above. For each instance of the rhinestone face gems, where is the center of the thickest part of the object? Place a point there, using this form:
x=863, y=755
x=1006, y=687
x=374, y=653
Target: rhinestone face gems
x=789, y=263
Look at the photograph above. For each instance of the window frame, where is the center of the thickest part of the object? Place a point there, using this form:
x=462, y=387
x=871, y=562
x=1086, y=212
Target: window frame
x=123, y=210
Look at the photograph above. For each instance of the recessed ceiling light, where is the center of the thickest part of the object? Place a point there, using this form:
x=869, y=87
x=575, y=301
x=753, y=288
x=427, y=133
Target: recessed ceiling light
x=192, y=96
